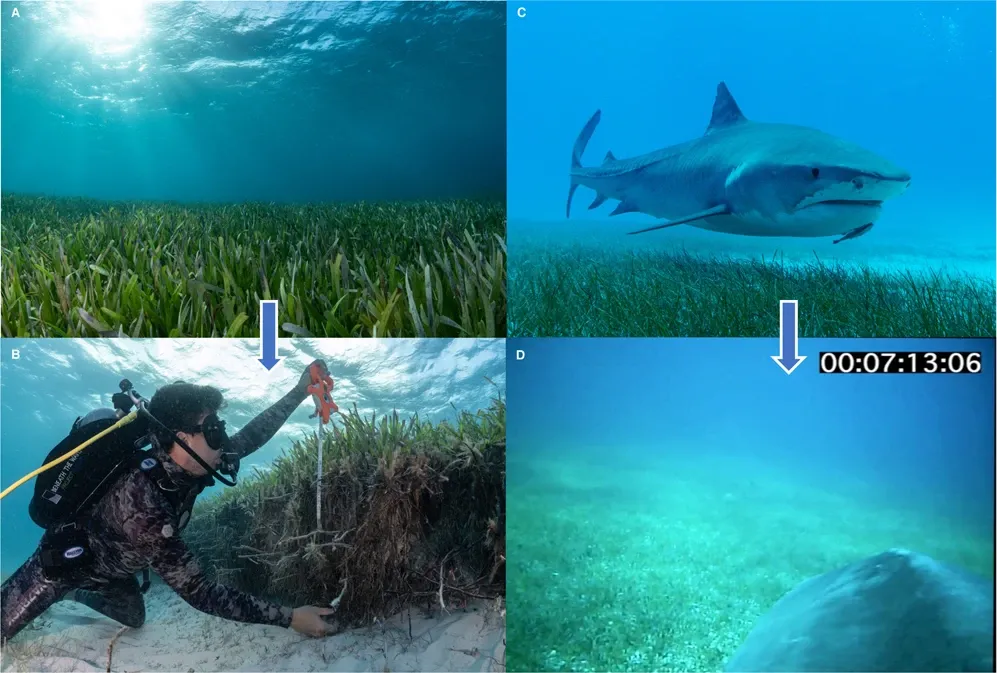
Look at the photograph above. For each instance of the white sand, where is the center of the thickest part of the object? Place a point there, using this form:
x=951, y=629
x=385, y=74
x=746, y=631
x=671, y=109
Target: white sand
x=176, y=637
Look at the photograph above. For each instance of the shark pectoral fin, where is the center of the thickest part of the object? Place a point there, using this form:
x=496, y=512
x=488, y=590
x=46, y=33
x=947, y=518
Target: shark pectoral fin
x=599, y=200
x=624, y=207
x=855, y=233
x=709, y=212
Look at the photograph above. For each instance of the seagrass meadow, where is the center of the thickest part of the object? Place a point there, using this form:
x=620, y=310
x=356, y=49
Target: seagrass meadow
x=412, y=515
x=662, y=566
x=83, y=268
x=575, y=291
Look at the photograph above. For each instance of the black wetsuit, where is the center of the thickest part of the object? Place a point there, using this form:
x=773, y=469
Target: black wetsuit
x=134, y=527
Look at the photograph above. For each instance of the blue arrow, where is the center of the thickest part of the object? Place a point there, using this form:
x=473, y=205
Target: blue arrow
x=268, y=333
x=789, y=336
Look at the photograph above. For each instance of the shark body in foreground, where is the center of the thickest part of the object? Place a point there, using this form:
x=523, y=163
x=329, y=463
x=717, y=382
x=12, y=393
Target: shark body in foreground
x=747, y=178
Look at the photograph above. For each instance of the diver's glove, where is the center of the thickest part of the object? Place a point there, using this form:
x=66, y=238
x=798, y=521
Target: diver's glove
x=306, y=378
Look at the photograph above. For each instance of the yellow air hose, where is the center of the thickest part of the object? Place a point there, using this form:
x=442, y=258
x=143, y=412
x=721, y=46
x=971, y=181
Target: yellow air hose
x=125, y=420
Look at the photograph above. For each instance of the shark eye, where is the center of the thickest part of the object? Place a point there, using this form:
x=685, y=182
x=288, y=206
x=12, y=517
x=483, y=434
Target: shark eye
x=815, y=172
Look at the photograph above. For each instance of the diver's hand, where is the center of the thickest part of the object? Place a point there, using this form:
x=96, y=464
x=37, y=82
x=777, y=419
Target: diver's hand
x=307, y=620
x=306, y=378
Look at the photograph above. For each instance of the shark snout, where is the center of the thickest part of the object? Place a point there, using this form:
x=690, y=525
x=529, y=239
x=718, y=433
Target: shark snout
x=850, y=188
x=898, y=178
x=879, y=186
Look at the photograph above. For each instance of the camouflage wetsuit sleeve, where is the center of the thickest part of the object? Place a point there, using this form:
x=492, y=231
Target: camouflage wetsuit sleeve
x=155, y=536
x=261, y=429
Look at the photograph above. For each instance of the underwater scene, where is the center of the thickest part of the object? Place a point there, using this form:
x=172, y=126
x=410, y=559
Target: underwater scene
x=168, y=165
x=837, y=154
x=190, y=460
x=683, y=505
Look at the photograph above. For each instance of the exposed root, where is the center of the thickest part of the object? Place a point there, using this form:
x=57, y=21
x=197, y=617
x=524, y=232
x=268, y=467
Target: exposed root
x=412, y=514
x=442, y=604
x=340, y=535
x=476, y=653
x=110, y=646
x=334, y=603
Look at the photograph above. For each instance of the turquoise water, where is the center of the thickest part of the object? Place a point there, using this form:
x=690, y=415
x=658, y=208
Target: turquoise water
x=913, y=82
x=56, y=380
x=249, y=101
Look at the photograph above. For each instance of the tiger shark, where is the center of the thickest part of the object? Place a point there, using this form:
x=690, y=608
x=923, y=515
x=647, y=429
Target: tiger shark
x=747, y=178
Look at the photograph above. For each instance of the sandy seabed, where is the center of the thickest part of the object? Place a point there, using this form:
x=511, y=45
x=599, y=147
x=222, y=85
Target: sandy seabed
x=176, y=637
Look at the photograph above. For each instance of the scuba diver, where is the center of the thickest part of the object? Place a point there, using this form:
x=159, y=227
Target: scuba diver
x=134, y=524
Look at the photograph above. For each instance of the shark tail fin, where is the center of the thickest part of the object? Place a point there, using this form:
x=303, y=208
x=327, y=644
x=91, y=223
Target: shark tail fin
x=576, y=154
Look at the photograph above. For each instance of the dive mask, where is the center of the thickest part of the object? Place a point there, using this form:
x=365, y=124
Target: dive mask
x=213, y=429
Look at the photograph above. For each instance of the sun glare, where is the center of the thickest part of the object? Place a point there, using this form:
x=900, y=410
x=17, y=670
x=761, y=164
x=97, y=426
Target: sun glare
x=109, y=26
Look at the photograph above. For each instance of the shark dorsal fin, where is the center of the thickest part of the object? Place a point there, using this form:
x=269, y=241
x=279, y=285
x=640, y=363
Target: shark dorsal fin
x=609, y=157
x=725, y=110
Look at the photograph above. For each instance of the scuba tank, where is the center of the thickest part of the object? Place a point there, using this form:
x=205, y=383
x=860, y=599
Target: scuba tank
x=62, y=493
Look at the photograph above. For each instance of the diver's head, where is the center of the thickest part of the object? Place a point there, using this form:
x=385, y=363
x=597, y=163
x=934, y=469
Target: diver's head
x=190, y=414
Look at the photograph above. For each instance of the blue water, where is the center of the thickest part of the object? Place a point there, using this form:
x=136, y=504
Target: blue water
x=228, y=101
x=913, y=82
x=699, y=399
x=56, y=380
